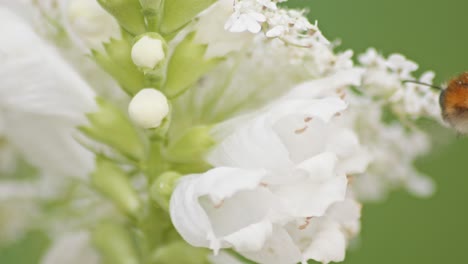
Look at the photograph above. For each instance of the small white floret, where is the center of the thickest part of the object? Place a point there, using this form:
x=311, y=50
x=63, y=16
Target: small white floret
x=148, y=108
x=148, y=52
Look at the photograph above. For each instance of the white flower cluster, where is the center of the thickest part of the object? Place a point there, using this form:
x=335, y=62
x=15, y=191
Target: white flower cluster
x=392, y=165
x=385, y=79
x=290, y=26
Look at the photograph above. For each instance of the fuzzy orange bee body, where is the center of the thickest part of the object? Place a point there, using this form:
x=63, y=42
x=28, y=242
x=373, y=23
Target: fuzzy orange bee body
x=454, y=103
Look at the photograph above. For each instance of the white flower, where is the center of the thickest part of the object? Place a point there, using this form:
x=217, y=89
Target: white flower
x=384, y=79
x=392, y=159
x=280, y=167
x=87, y=23
x=245, y=22
x=148, y=108
x=148, y=52
x=42, y=100
x=323, y=239
x=210, y=30
x=291, y=26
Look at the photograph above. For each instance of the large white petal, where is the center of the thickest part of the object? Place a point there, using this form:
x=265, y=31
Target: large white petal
x=309, y=198
x=34, y=78
x=42, y=100
x=253, y=145
x=222, y=207
x=48, y=143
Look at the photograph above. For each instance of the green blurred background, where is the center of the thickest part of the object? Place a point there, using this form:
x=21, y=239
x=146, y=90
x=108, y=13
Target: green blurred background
x=433, y=33
x=404, y=229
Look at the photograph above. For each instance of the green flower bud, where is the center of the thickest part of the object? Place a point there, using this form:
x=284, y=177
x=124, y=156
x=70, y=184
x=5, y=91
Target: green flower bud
x=115, y=243
x=180, y=252
x=162, y=187
x=127, y=13
x=112, y=127
x=177, y=13
x=114, y=183
x=191, y=146
x=186, y=66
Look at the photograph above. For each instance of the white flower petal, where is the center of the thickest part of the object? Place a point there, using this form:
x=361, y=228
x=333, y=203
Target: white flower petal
x=279, y=249
x=43, y=99
x=324, y=109
x=311, y=199
x=329, y=244
x=222, y=203
x=320, y=167
x=47, y=142
x=254, y=145
x=354, y=159
x=243, y=240
x=326, y=86
x=34, y=78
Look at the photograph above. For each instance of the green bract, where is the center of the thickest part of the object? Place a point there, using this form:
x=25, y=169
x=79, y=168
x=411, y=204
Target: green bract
x=186, y=66
x=162, y=188
x=114, y=183
x=118, y=63
x=177, y=13
x=110, y=126
x=115, y=243
x=191, y=146
x=180, y=252
x=128, y=14
x=152, y=12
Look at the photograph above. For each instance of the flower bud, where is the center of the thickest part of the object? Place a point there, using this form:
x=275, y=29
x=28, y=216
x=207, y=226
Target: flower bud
x=148, y=52
x=162, y=187
x=148, y=108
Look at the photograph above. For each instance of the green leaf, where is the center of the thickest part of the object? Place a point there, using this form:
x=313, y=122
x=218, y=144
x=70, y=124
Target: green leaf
x=127, y=13
x=114, y=183
x=186, y=66
x=177, y=13
x=112, y=127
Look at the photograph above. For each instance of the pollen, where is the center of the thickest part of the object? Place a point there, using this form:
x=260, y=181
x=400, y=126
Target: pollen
x=301, y=130
x=306, y=223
